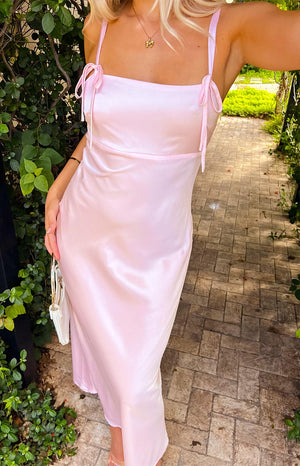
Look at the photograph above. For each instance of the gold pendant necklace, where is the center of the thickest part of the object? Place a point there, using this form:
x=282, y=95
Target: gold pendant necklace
x=149, y=43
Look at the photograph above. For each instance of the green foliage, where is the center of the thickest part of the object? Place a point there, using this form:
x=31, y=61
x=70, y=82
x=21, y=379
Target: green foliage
x=274, y=126
x=32, y=430
x=249, y=102
x=294, y=424
x=42, y=57
x=265, y=76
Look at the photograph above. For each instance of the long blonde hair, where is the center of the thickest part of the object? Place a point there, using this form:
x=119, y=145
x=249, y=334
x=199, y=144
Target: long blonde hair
x=183, y=10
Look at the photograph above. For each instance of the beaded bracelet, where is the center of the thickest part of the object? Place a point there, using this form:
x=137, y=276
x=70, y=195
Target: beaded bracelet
x=74, y=158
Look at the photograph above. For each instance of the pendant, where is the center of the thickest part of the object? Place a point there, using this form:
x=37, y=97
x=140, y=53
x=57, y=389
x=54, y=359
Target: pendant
x=149, y=43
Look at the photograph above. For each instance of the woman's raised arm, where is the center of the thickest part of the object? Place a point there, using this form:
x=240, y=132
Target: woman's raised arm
x=269, y=37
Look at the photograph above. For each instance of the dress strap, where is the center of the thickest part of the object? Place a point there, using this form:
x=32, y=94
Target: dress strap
x=212, y=40
x=102, y=34
x=209, y=93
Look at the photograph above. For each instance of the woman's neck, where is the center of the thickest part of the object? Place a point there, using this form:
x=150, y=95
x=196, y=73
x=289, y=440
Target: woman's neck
x=142, y=8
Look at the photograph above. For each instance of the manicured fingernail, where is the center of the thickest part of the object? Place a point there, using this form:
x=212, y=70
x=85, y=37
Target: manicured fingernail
x=48, y=231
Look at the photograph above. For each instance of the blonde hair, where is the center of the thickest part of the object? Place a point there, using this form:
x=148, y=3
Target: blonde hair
x=183, y=10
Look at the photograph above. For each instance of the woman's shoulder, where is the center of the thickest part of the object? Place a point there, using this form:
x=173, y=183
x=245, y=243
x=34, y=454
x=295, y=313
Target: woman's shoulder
x=239, y=12
x=91, y=28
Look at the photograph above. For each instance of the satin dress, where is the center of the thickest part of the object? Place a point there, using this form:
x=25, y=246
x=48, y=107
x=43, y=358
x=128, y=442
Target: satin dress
x=124, y=232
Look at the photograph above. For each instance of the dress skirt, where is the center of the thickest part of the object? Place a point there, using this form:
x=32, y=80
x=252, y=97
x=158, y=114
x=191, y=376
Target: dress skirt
x=124, y=233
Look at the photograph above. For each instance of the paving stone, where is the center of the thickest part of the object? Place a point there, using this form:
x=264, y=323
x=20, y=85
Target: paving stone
x=187, y=437
x=228, y=364
x=183, y=344
x=215, y=384
x=269, y=458
x=188, y=458
x=233, y=313
x=181, y=383
x=210, y=344
x=279, y=383
x=275, y=407
x=171, y=456
x=250, y=328
x=197, y=363
x=236, y=408
x=263, y=437
x=246, y=455
x=220, y=443
x=175, y=411
x=200, y=407
x=261, y=362
x=217, y=299
x=96, y=434
x=240, y=344
x=222, y=327
x=248, y=384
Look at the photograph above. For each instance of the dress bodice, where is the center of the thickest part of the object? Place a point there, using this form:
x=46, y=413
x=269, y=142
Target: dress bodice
x=150, y=118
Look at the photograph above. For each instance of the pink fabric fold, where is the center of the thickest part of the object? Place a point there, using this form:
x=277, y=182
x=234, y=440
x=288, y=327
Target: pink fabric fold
x=97, y=80
x=209, y=93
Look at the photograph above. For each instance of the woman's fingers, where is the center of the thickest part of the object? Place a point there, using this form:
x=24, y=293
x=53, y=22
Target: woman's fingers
x=50, y=225
x=53, y=244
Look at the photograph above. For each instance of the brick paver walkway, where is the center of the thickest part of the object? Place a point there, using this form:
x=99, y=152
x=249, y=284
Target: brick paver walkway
x=231, y=371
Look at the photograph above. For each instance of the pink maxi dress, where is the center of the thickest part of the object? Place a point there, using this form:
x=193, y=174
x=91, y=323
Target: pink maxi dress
x=124, y=233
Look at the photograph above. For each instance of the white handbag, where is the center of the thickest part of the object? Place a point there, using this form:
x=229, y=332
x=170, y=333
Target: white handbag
x=59, y=309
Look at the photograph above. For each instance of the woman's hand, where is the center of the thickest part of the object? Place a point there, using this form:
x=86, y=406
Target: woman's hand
x=51, y=212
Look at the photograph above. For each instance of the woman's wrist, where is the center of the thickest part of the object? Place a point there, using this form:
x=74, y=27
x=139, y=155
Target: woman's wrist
x=75, y=159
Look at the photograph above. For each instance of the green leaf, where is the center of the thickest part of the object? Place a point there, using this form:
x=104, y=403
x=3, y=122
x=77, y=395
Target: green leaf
x=297, y=294
x=29, y=151
x=12, y=437
x=53, y=155
x=23, y=354
x=3, y=128
x=44, y=162
x=16, y=375
x=49, y=176
x=65, y=16
x=9, y=323
x=44, y=139
x=14, y=165
x=41, y=183
x=5, y=117
x=38, y=171
x=29, y=166
x=20, y=80
x=4, y=428
x=48, y=23
x=295, y=281
x=15, y=310
x=4, y=295
x=27, y=137
x=28, y=178
x=298, y=333
x=289, y=422
x=37, y=5
x=12, y=363
x=26, y=187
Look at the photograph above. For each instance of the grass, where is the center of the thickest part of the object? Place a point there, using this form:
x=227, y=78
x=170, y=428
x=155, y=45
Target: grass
x=266, y=76
x=249, y=102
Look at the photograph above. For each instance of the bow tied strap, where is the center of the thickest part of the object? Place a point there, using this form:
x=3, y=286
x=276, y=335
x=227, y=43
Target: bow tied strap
x=97, y=80
x=208, y=93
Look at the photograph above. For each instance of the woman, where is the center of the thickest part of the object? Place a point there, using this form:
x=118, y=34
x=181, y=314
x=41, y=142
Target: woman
x=118, y=217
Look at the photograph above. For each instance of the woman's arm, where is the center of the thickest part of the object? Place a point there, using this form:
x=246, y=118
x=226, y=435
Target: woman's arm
x=58, y=187
x=269, y=37
x=55, y=195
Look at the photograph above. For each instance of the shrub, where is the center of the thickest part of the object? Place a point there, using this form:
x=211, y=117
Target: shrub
x=249, y=102
x=32, y=430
